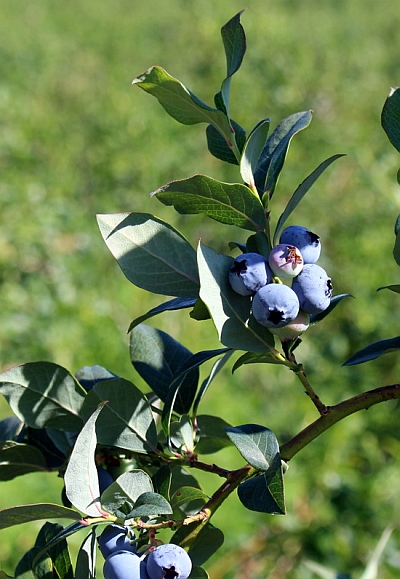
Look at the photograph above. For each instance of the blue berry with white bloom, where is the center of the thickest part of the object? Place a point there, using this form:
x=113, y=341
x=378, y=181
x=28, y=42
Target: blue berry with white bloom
x=124, y=565
x=115, y=538
x=314, y=289
x=168, y=561
x=305, y=240
x=275, y=305
x=248, y=273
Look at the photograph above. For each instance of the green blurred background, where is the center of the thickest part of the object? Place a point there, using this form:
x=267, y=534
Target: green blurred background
x=76, y=139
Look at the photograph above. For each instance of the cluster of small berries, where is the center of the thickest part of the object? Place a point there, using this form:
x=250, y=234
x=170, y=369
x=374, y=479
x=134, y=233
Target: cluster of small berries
x=284, y=310
x=118, y=547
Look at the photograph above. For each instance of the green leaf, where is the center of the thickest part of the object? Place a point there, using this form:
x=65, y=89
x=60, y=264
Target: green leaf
x=152, y=254
x=58, y=552
x=264, y=492
x=206, y=543
x=18, y=459
x=397, y=225
x=86, y=559
x=158, y=358
x=200, y=311
x=170, y=305
x=176, y=386
x=127, y=420
x=230, y=311
x=252, y=151
x=198, y=573
x=218, y=146
x=300, y=192
x=43, y=394
x=150, y=504
x=64, y=533
x=257, y=444
x=394, y=288
x=234, y=40
x=81, y=477
x=126, y=489
x=161, y=480
x=179, y=102
x=254, y=358
x=181, y=434
x=396, y=248
x=217, y=367
x=34, y=566
x=258, y=243
x=390, y=117
x=335, y=300
x=374, y=351
x=184, y=495
x=229, y=203
x=27, y=513
x=274, y=153
x=212, y=433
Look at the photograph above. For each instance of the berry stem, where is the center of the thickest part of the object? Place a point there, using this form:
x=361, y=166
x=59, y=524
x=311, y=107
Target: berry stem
x=319, y=405
x=334, y=414
x=213, y=468
x=300, y=372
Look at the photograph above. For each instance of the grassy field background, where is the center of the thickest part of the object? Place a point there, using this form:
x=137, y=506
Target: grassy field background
x=76, y=139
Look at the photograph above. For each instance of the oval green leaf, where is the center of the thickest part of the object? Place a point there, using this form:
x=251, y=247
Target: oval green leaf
x=152, y=254
x=179, y=102
x=81, y=478
x=43, y=394
x=274, y=153
x=390, y=117
x=27, y=513
x=374, y=351
x=126, y=420
x=18, y=459
x=257, y=444
x=230, y=311
x=229, y=203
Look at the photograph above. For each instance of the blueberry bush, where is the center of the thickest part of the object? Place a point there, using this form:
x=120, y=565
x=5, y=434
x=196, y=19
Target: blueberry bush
x=128, y=459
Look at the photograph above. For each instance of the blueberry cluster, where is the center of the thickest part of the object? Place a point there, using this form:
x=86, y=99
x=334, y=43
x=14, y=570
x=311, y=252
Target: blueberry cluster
x=284, y=310
x=118, y=547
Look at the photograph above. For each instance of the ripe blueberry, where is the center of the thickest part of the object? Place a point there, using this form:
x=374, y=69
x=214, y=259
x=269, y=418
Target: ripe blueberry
x=124, y=565
x=314, y=288
x=115, y=538
x=168, y=561
x=275, y=305
x=285, y=260
x=307, y=242
x=248, y=273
